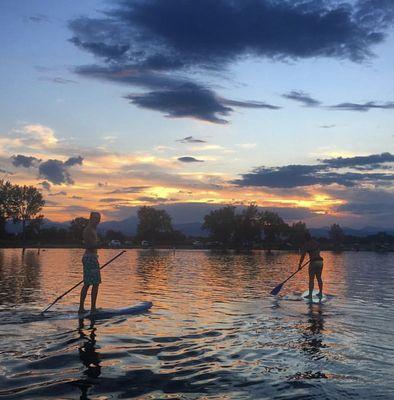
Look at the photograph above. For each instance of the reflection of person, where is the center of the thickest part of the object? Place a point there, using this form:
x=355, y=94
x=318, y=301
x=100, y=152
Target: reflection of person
x=89, y=356
x=311, y=247
x=312, y=334
x=91, y=267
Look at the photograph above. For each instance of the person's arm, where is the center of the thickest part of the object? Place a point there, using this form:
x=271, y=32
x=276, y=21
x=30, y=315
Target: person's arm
x=302, y=258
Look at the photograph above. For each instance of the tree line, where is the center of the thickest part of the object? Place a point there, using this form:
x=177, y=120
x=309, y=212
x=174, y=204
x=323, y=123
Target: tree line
x=226, y=227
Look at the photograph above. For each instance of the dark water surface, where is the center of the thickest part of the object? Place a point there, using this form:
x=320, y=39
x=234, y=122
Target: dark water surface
x=214, y=332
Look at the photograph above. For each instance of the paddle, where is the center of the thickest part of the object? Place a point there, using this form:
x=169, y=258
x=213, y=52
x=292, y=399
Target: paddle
x=69, y=290
x=278, y=288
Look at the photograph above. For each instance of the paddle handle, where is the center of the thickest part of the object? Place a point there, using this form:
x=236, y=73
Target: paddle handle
x=76, y=285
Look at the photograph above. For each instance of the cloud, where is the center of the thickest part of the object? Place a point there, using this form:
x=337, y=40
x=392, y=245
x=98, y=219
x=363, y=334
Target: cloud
x=24, y=161
x=112, y=200
x=58, y=80
x=149, y=199
x=148, y=45
x=61, y=193
x=371, y=161
x=46, y=185
x=191, y=139
x=291, y=176
x=158, y=35
x=193, y=101
x=363, y=107
x=76, y=197
x=188, y=159
x=326, y=126
x=130, y=189
x=56, y=171
x=39, y=18
x=73, y=161
x=302, y=97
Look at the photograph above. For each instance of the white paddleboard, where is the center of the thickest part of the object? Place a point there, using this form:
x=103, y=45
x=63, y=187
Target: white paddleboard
x=103, y=313
x=315, y=298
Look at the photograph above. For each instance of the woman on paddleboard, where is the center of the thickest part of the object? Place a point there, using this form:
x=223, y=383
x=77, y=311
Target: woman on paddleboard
x=311, y=247
x=91, y=267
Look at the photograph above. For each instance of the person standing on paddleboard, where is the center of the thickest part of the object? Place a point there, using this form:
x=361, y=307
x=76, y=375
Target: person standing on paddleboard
x=311, y=247
x=91, y=267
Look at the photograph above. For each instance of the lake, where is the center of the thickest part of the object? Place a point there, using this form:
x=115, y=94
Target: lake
x=214, y=331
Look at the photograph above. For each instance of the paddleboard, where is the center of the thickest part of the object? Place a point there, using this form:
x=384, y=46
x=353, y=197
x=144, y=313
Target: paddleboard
x=103, y=313
x=315, y=298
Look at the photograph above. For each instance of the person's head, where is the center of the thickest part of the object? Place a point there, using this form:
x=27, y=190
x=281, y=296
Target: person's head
x=94, y=218
x=307, y=236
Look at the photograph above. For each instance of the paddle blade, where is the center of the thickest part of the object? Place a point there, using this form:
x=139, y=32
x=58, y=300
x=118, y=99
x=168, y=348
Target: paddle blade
x=276, y=290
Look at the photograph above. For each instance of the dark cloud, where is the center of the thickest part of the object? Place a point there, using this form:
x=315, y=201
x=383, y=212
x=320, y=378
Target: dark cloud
x=56, y=171
x=158, y=34
x=61, y=193
x=291, y=176
x=46, y=185
x=24, y=161
x=249, y=104
x=193, y=101
x=149, y=199
x=130, y=189
x=372, y=161
x=38, y=18
x=149, y=44
x=188, y=159
x=112, y=200
x=76, y=197
x=58, y=79
x=363, y=107
x=191, y=139
x=326, y=126
x=302, y=97
x=73, y=161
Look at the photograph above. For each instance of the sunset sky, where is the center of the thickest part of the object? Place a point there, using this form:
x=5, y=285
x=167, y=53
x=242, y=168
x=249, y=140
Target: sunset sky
x=110, y=105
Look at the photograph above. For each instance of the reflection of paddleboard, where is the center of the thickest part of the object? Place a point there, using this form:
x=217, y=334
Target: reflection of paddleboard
x=315, y=298
x=112, y=312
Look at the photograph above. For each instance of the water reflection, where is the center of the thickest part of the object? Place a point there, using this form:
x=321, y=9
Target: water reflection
x=214, y=331
x=312, y=335
x=89, y=357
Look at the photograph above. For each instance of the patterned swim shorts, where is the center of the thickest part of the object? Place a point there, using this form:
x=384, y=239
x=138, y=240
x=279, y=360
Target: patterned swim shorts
x=91, y=269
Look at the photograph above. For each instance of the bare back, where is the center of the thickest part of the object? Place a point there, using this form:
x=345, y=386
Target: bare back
x=313, y=249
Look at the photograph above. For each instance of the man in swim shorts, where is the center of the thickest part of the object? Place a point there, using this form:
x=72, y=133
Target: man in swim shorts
x=311, y=247
x=91, y=267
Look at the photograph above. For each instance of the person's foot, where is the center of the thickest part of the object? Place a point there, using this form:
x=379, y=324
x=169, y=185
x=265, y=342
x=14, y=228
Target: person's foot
x=320, y=295
x=81, y=311
x=308, y=296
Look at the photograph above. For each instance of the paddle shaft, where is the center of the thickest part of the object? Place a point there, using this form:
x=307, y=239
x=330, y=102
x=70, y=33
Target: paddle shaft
x=69, y=290
x=298, y=270
x=278, y=288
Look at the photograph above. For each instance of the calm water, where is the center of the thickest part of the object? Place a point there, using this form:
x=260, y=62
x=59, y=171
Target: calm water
x=214, y=331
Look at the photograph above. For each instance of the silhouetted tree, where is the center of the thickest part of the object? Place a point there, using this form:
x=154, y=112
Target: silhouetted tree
x=247, y=226
x=5, y=204
x=297, y=233
x=26, y=203
x=273, y=227
x=77, y=225
x=153, y=224
x=336, y=235
x=221, y=225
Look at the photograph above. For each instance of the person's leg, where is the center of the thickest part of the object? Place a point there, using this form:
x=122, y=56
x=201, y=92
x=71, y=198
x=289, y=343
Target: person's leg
x=94, y=297
x=320, y=281
x=311, y=281
x=84, y=292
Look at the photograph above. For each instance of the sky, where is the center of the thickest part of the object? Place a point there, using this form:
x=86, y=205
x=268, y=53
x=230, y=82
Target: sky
x=111, y=105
